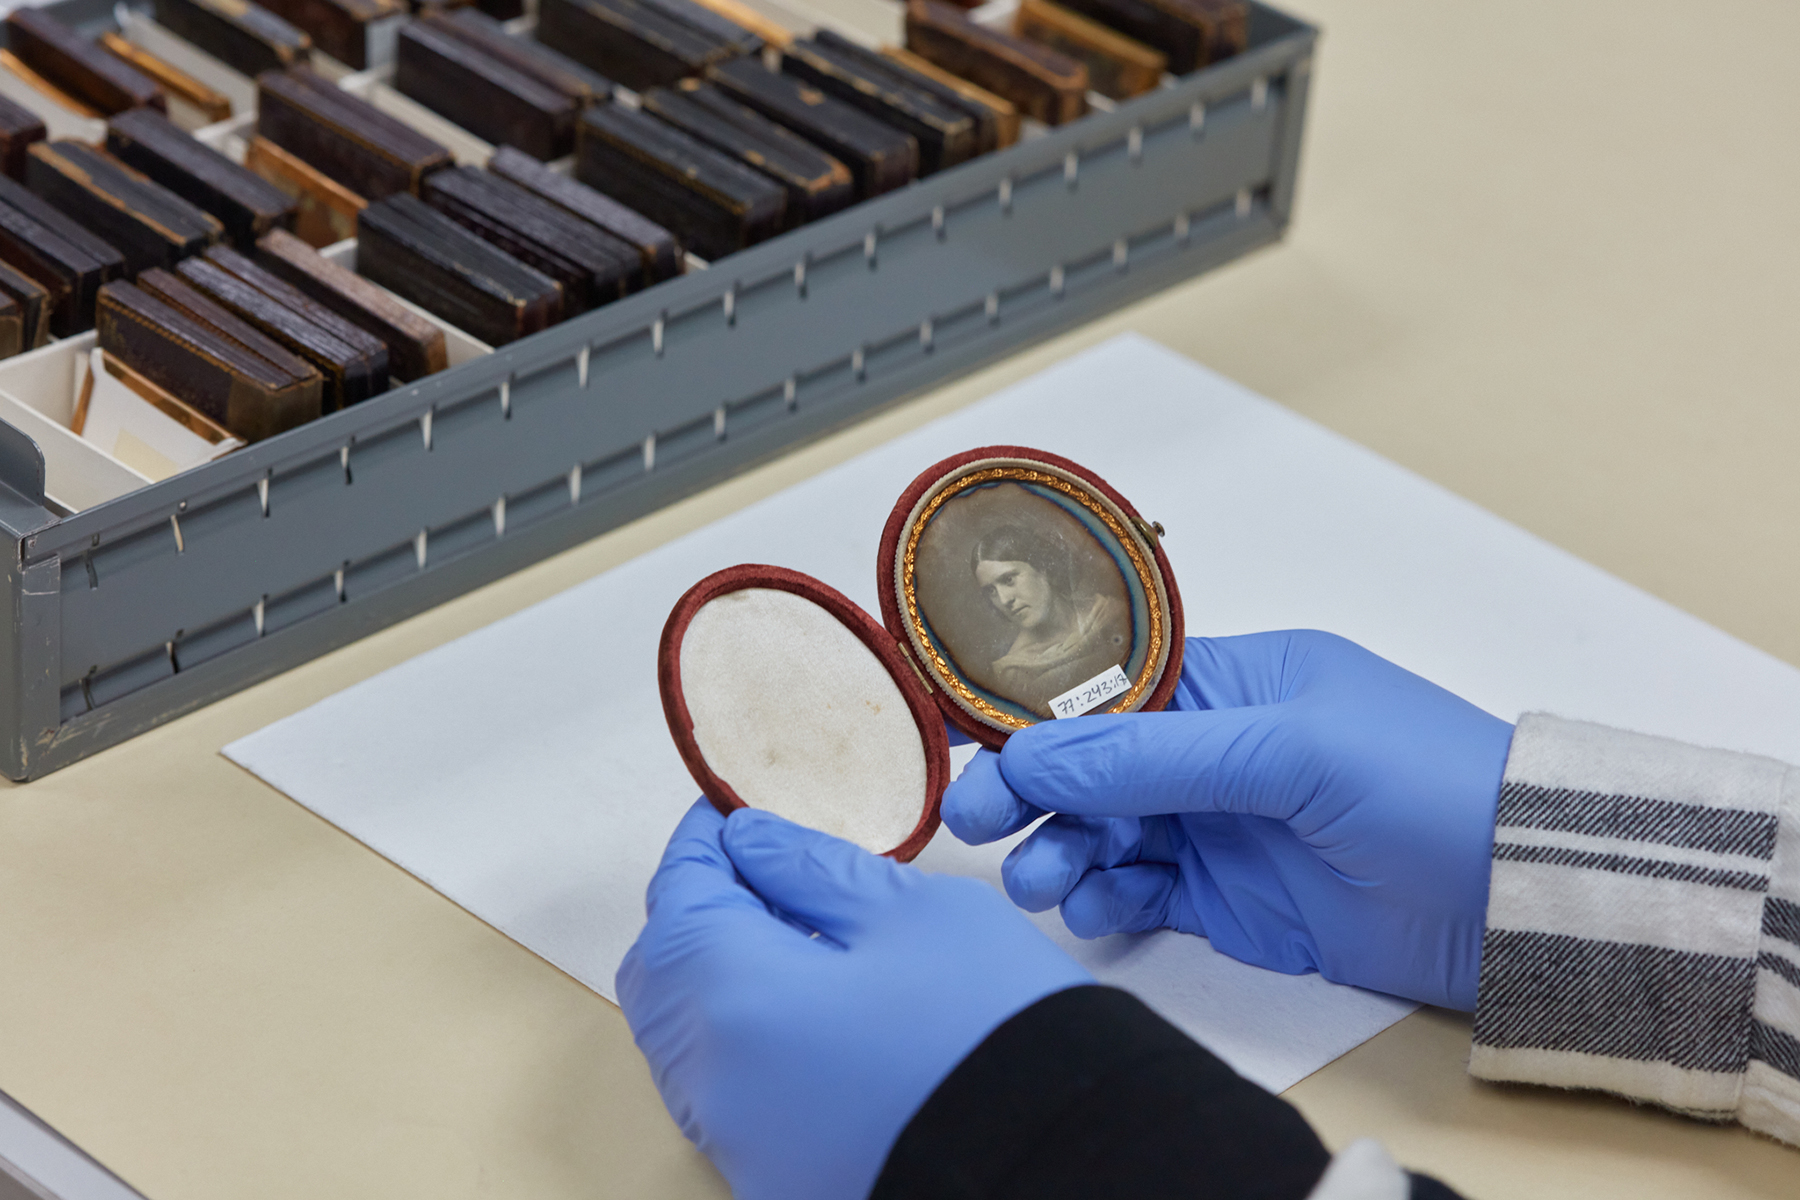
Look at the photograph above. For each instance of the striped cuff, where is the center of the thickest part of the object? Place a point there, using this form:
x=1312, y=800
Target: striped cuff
x=1643, y=930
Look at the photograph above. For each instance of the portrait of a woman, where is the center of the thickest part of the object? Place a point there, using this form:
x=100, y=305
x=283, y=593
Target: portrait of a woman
x=1063, y=635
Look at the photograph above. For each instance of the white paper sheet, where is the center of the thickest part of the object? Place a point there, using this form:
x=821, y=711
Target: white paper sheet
x=525, y=771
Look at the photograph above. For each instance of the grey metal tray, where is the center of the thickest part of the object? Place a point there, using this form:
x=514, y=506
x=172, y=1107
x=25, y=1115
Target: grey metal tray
x=128, y=614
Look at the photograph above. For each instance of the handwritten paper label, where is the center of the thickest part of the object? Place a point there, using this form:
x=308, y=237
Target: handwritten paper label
x=1092, y=694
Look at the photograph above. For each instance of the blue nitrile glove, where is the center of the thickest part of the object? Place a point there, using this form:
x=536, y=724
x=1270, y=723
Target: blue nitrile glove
x=1305, y=804
x=795, y=1062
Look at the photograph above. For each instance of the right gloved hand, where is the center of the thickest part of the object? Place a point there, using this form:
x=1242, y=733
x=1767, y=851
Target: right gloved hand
x=1305, y=804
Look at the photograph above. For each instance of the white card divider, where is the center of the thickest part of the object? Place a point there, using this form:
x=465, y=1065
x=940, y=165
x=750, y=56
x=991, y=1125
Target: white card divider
x=138, y=29
x=141, y=435
x=59, y=122
x=38, y=393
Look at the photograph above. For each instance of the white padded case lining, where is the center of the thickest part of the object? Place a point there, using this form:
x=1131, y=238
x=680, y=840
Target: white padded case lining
x=800, y=718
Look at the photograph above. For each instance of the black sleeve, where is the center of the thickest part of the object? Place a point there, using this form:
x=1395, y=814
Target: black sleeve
x=1089, y=1093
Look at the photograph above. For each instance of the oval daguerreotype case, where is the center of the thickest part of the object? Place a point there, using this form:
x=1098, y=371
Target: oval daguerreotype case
x=1016, y=587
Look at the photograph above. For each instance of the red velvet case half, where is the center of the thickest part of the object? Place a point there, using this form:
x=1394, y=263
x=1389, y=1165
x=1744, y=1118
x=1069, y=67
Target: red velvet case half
x=1027, y=589
x=782, y=694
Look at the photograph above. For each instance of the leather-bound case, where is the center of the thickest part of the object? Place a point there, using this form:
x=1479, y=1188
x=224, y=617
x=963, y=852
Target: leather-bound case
x=880, y=157
x=349, y=139
x=33, y=300
x=12, y=326
x=370, y=351
x=150, y=225
x=358, y=33
x=656, y=247
x=324, y=210
x=713, y=203
x=628, y=41
x=996, y=120
x=592, y=268
x=64, y=258
x=817, y=184
x=423, y=256
x=77, y=66
x=250, y=422
x=246, y=204
x=350, y=373
x=416, y=347
x=525, y=55
x=197, y=364
x=946, y=133
x=248, y=38
x=1193, y=33
x=1015, y=586
x=1119, y=67
x=1044, y=84
x=484, y=95
x=19, y=128
x=211, y=104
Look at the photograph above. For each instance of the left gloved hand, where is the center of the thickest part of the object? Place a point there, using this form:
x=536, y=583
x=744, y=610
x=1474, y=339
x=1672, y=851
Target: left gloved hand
x=795, y=1061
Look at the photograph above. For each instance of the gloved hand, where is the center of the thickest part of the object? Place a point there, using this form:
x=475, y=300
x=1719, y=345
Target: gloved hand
x=794, y=1061
x=1304, y=804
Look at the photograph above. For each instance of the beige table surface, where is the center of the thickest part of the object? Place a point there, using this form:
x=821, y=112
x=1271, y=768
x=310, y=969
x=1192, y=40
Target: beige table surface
x=1548, y=254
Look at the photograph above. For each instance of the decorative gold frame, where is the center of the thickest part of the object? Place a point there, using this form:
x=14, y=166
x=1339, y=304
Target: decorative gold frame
x=1148, y=577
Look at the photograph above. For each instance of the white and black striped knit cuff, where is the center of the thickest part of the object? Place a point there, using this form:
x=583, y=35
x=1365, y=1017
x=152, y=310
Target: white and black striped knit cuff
x=1643, y=929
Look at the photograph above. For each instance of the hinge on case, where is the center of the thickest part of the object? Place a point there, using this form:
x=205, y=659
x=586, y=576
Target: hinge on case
x=1152, y=530
x=907, y=655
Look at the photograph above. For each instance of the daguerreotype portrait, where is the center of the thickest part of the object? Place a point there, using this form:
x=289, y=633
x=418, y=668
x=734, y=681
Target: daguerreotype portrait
x=1026, y=587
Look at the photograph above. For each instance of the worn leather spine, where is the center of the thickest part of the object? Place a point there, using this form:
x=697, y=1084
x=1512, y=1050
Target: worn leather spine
x=358, y=33
x=194, y=363
x=150, y=225
x=627, y=41
x=592, y=268
x=1044, y=84
x=485, y=96
x=658, y=250
x=19, y=128
x=714, y=204
x=77, y=66
x=416, y=347
x=987, y=110
x=243, y=36
x=67, y=260
x=352, y=141
x=880, y=157
x=1192, y=33
x=817, y=184
x=33, y=300
x=324, y=209
x=371, y=349
x=246, y=204
x=296, y=406
x=525, y=55
x=946, y=133
x=714, y=24
x=12, y=326
x=423, y=256
x=1119, y=67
